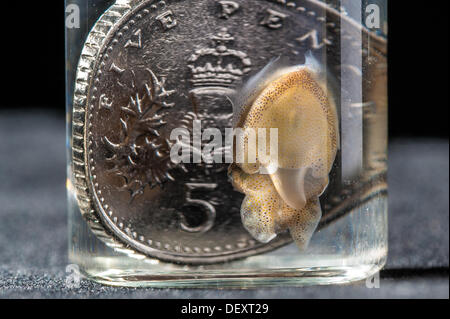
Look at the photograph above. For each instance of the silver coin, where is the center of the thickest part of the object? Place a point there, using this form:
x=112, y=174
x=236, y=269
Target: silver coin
x=151, y=66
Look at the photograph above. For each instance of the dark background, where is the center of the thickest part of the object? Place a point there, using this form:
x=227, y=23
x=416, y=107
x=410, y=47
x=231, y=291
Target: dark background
x=33, y=69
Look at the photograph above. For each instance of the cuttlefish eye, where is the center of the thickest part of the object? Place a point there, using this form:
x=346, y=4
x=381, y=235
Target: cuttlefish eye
x=295, y=101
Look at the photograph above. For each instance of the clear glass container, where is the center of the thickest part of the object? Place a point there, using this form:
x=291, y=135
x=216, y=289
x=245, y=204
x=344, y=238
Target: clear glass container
x=137, y=218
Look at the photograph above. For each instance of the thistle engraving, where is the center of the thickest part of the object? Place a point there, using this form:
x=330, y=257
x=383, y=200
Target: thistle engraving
x=142, y=156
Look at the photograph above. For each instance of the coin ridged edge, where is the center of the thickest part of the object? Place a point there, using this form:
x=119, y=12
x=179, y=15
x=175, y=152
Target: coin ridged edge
x=80, y=175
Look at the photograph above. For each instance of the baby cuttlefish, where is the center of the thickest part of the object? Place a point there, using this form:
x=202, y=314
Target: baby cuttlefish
x=296, y=101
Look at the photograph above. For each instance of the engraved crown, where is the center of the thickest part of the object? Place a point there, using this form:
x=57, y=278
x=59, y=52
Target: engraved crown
x=218, y=68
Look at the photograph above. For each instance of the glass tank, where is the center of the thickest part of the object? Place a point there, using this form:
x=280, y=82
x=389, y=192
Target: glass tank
x=226, y=143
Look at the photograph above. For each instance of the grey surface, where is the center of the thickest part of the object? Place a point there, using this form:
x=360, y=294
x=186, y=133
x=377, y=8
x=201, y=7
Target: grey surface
x=33, y=230
x=418, y=204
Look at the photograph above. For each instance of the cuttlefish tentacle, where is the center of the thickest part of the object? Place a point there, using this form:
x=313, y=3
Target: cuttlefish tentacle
x=297, y=102
x=260, y=207
x=301, y=222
